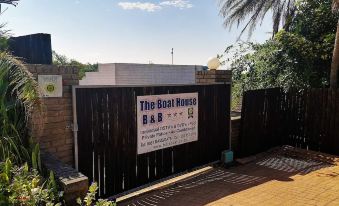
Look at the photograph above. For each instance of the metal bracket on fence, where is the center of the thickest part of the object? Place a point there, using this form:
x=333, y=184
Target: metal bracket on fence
x=75, y=127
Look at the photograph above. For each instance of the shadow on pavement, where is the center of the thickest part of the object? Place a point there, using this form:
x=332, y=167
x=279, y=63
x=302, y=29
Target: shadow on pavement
x=280, y=165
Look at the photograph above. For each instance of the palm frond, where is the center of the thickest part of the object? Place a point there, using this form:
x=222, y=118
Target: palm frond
x=19, y=95
x=254, y=11
x=12, y=2
x=22, y=83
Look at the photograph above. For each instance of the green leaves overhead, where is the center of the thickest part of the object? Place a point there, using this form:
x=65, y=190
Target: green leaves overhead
x=299, y=56
x=12, y=2
x=62, y=60
x=314, y=19
x=252, y=12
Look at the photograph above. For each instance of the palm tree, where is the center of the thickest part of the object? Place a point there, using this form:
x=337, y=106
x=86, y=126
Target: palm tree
x=335, y=58
x=13, y=2
x=19, y=95
x=254, y=11
x=237, y=11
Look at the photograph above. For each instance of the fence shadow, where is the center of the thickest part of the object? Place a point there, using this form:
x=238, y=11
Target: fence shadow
x=217, y=183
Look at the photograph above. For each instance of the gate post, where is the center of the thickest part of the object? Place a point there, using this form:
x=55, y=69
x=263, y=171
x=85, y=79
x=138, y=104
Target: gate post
x=216, y=76
x=52, y=127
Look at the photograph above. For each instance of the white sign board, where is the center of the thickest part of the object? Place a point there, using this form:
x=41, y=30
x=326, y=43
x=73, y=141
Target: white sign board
x=50, y=85
x=166, y=121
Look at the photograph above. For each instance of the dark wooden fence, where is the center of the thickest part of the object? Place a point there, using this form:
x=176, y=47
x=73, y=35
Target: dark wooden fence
x=306, y=119
x=33, y=49
x=107, y=136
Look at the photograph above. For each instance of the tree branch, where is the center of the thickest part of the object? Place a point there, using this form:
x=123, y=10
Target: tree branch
x=11, y=2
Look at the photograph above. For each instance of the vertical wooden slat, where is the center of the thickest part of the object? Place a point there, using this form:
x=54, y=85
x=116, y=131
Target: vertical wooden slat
x=178, y=151
x=84, y=135
x=132, y=138
x=120, y=140
x=108, y=127
x=95, y=132
x=302, y=118
x=162, y=157
x=143, y=159
x=101, y=141
x=109, y=164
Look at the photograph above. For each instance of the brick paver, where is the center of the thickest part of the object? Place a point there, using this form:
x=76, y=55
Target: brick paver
x=282, y=177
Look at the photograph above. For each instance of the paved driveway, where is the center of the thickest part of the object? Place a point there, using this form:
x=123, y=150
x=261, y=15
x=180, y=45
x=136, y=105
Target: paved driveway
x=283, y=176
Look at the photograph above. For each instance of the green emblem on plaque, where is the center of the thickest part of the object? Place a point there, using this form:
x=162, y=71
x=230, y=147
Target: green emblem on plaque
x=50, y=88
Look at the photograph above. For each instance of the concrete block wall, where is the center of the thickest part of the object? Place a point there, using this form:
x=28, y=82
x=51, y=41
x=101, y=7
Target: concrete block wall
x=104, y=76
x=146, y=74
x=51, y=127
x=141, y=74
x=213, y=76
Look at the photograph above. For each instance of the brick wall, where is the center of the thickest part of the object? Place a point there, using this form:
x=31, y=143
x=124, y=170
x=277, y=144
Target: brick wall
x=235, y=132
x=52, y=126
x=213, y=76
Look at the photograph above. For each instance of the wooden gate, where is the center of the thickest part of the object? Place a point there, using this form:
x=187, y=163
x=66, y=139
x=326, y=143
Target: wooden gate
x=107, y=135
x=303, y=118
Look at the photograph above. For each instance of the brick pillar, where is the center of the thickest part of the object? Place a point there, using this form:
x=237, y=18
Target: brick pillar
x=213, y=76
x=52, y=126
x=235, y=134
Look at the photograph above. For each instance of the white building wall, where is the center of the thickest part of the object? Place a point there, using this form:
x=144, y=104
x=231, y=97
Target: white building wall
x=104, y=76
x=144, y=74
x=141, y=74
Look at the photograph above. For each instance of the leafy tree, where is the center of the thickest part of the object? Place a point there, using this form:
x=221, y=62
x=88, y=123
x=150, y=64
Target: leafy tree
x=315, y=21
x=284, y=12
x=11, y=2
x=285, y=61
x=4, y=33
x=254, y=11
x=298, y=58
x=62, y=60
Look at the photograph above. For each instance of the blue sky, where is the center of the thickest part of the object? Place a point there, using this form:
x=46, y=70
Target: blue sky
x=108, y=31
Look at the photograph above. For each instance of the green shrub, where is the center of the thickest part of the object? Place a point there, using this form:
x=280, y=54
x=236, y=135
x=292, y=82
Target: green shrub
x=24, y=186
x=62, y=60
x=90, y=198
x=20, y=185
